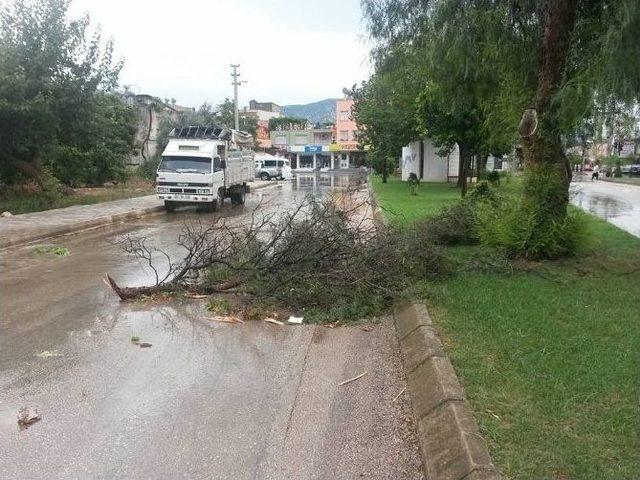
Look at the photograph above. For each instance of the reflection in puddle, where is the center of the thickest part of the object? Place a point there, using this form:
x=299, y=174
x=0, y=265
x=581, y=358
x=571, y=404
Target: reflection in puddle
x=611, y=207
x=601, y=205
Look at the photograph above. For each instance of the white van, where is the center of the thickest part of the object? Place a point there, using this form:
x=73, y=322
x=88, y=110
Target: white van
x=270, y=166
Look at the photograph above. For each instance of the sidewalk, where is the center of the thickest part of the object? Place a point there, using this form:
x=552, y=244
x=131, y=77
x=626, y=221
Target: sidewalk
x=28, y=227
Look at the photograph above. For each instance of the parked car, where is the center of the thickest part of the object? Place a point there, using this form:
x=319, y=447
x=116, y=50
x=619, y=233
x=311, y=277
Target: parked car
x=270, y=167
x=634, y=169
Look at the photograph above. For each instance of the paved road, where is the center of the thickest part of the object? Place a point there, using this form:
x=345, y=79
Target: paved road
x=615, y=202
x=208, y=400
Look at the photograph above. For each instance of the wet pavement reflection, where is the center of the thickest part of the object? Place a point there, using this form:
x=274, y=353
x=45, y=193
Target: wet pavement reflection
x=619, y=204
x=205, y=400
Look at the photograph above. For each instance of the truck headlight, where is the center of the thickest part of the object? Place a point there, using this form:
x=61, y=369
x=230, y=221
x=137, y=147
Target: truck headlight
x=203, y=191
x=162, y=190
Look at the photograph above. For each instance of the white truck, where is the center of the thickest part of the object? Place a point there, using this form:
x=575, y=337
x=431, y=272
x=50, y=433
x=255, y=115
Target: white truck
x=203, y=166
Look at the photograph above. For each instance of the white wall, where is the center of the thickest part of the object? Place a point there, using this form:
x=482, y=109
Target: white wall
x=454, y=162
x=409, y=160
x=436, y=167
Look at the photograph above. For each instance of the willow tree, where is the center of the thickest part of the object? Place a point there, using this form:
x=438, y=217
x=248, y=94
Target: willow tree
x=549, y=60
x=385, y=107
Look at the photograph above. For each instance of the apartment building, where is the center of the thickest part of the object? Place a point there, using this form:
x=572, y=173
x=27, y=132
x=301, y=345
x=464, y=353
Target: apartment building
x=327, y=148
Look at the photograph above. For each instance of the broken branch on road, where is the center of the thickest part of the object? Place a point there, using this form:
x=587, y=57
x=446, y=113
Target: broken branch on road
x=324, y=257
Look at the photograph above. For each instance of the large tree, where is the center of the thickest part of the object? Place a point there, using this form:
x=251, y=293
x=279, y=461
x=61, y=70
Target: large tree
x=55, y=84
x=385, y=106
x=549, y=59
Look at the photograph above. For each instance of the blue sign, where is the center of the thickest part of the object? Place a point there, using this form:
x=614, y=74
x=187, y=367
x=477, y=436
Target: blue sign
x=313, y=148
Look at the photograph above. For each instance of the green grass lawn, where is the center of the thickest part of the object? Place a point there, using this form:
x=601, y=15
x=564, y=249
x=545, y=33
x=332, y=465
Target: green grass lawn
x=549, y=353
x=394, y=196
x=18, y=200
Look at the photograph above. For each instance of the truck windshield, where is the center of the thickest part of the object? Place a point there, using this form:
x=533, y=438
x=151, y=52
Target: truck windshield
x=185, y=164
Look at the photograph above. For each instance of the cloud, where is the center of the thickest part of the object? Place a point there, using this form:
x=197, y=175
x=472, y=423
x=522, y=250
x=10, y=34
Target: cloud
x=183, y=49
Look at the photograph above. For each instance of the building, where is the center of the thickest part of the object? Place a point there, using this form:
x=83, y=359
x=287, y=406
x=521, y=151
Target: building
x=423, y=158
x=325, y=148
x=150, y=111
x=262, y=112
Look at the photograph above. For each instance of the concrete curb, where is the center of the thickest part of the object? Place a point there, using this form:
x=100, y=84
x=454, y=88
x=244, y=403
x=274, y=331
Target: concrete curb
x=95, y=223
x=378, y=214
x=448, y=435
x=450, y=443
x=80, y=226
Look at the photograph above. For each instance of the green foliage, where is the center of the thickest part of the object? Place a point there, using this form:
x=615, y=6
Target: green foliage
x=54, y=250
x=483, y=63
x=50, y=187
x=547, y=352
x=510, y=222
x=385, y=107
x=55, y=80
x=491, y=176
x=413, y=182
x=219, y=306
x=454, y=225
x=148, y=169
x=286, y=123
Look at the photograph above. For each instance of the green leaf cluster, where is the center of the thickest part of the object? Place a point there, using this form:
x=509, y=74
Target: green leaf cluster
x=58, y=108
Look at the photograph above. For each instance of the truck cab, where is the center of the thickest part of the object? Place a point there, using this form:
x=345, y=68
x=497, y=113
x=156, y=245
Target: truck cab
x=204, y=165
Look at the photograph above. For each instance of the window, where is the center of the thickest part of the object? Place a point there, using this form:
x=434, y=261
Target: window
x=343, y=136
x=281, y=163
x=185, y=164
x=345, y=115
x=301, y=140
x=269, y=163
x=280, y=140
x=217, y=164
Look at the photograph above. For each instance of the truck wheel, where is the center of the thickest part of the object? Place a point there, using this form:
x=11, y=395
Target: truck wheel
x=238, y=196
x=241, y=196
x=169, y=206
x=264, y=176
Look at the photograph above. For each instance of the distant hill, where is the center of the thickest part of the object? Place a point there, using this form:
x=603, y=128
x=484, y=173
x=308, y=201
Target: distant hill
x=316, y=112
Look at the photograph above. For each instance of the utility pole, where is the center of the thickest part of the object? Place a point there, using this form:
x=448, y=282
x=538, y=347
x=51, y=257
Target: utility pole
x=235, y=84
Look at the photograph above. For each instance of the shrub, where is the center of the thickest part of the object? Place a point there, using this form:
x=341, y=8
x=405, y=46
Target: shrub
x=148, y=169
x=50, y=187
x=75, y=167
x=413, y=181
x=454, y=225
x=512, y=225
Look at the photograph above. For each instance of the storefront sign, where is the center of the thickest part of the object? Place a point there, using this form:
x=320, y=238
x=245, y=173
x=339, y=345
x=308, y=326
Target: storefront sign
x=313, y=148
x=335, y=147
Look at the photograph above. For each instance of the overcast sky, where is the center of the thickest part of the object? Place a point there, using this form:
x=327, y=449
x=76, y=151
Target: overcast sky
x=290, y=51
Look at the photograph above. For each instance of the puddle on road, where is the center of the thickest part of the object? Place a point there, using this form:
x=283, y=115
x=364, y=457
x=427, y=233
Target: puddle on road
x=601, y=205
x=616, y=211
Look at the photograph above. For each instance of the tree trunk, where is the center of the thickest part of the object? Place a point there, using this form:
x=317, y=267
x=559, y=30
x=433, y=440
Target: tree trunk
x=385, y=172
x=482, y=163
x=464, y=166
x=548, y=172
x=461, y=171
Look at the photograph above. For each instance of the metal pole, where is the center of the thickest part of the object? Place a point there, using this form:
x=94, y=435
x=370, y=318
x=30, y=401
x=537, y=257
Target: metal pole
x=235, y=84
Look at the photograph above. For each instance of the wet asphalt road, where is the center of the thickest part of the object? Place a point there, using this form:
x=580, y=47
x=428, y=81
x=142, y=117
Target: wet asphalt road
x=615, y=202
x=207, y=400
